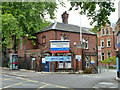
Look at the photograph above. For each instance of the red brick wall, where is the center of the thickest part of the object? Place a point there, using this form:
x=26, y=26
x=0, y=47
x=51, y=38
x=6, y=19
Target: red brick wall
x=50, y=35
x=27, y=44
x=105, y=37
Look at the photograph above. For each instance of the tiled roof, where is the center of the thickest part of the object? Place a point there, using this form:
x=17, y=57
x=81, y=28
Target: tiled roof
x=66, y=27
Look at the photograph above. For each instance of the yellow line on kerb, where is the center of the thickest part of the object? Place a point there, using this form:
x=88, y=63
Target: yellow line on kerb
x=13, y=85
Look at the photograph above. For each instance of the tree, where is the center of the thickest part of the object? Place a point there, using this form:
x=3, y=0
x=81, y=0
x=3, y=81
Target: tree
x=99, y=16
x=109, y=60
x=22, y=18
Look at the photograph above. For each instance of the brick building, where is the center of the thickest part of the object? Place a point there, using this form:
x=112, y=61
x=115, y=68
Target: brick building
x=107, y=39
x=61, y=32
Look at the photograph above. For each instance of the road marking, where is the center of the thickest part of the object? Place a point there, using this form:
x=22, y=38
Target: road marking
x=6, y=79
x=13, y=85
x=60, y=86
x=43, y=86
x=28, y=80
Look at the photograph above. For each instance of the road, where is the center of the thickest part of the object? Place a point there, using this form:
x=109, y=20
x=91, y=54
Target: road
x=37, y=80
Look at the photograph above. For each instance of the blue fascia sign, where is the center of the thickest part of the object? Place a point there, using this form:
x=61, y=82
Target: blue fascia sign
x=58, y=58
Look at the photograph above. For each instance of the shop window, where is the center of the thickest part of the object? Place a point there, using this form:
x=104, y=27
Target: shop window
x=108, y=42
x=68, y=64
x=61, y=64
x=43, y=39
x=103, y=56
x=86, y=43
x=103, y=32
x=102, y=43
x=109, y=54
x=107, y=32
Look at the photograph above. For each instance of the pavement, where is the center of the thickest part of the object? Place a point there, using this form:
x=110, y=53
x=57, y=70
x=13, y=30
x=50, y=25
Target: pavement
x=24, y=70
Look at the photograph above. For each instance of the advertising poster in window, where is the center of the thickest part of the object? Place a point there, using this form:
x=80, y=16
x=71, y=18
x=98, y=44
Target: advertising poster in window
x=60, y=64
x=67, y=64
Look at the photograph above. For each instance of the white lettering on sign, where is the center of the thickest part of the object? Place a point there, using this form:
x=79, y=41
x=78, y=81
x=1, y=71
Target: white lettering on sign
x=59, y=44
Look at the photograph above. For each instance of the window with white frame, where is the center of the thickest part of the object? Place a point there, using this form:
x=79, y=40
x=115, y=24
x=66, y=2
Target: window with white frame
x=108, y=42
x=102, y=43
x=66, y=37
x=43, y=39
x=109, y=54
x=62, y=38
x=86, y=43
x=103, y=32
x=61, y=64
x=103, y=56
x=107, y=32
x=68, y=64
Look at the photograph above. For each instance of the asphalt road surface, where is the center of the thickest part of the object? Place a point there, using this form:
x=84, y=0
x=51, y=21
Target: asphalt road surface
x=36, y=80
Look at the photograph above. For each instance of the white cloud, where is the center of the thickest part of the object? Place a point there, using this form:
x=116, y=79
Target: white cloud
x=74, y=17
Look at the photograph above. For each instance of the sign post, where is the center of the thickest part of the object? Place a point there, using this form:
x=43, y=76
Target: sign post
x=99, y=57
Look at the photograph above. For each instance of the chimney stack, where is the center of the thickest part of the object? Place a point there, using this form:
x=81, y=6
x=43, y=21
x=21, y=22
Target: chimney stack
x=65, y=17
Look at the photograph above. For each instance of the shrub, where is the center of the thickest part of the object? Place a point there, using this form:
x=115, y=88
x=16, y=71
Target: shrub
x=88, y=70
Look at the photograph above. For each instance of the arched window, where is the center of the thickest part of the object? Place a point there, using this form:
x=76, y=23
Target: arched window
x=103, y=32
x=102, y=43
x=43, y=39
x=83, y=42
x=108, y=42
x=107, y=32
x=86, y=43
x=103, y=56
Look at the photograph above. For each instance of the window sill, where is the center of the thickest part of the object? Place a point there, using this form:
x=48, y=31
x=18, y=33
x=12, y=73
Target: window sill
x=109, y=47
x=102, y=47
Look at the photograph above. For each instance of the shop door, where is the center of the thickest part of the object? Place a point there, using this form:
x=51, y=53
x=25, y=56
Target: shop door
x=46, y=67
x=87, y=62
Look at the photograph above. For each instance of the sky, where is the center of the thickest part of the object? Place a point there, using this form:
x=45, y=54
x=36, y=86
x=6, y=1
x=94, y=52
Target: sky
x=74, y=17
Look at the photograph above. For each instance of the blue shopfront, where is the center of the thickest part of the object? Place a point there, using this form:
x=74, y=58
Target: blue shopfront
x=60, y=59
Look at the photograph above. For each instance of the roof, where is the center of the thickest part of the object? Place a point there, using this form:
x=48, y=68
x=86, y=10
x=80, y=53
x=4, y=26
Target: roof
x=67, y=27
x=118, y=21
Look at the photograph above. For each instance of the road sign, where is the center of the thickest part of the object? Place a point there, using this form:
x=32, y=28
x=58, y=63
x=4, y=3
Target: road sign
x=43, y=60
x=59, y=46
x=78, y=57
x=118, y=40
x=99, y=51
